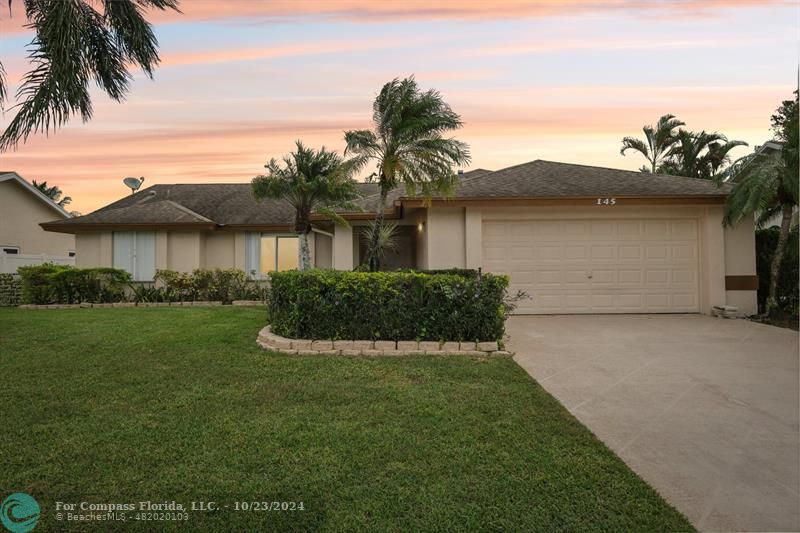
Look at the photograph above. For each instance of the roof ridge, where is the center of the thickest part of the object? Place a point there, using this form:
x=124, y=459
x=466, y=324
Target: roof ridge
x=648, y=174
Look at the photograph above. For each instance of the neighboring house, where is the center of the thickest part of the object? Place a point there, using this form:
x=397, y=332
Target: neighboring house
x=578, y=239
x=23, y=208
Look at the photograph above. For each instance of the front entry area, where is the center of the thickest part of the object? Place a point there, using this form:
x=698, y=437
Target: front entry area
x=597, y=265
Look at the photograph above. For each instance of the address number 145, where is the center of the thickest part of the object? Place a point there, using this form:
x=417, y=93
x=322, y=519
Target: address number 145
x=606, y=201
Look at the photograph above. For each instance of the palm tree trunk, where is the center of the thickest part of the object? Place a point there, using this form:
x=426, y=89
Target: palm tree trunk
x=777, y=259
x=304, y=256
x=374, y=253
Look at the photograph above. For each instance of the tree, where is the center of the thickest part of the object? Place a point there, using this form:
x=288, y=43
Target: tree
x=54, y=193
x=312, y=181
x=657, y=141
x=408, y=147
x=698, y=155
x=766, y=184
x=74, y=45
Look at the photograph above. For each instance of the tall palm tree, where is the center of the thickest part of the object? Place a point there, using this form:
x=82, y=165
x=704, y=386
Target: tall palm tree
x=657, y=141
x=312, y=181
x=75, y=45
x=407, y=144
x=698, y=155
x=766, y=184
x=54, y=193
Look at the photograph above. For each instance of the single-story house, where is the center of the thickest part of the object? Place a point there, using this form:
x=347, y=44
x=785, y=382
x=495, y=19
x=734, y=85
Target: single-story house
x=23, y=208
x=577, y=239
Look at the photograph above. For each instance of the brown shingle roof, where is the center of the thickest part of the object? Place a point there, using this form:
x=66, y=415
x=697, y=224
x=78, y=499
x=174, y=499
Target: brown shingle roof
x=548, y=179
x=232, y=204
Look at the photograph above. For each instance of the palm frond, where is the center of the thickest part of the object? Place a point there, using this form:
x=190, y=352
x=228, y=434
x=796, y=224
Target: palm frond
x=75, y=44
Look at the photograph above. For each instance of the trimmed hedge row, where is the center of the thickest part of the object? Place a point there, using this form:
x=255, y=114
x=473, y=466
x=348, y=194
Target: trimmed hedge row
x=328, y=304
x=60, y=284
x=10, y=290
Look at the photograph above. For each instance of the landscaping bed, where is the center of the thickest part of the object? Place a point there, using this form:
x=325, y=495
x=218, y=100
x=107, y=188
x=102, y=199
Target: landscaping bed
x=165, y=404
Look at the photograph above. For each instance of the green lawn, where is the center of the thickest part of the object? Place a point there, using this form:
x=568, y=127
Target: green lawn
x=124, y=405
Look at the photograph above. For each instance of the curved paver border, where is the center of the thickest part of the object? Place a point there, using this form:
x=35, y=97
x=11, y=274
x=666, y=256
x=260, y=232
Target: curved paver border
x=275, y=343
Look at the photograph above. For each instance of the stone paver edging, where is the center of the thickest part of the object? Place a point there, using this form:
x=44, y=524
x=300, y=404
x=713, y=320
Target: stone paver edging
x=276, y=343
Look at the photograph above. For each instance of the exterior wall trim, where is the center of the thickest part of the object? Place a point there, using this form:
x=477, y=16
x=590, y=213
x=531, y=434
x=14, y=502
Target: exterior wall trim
x=741, y=283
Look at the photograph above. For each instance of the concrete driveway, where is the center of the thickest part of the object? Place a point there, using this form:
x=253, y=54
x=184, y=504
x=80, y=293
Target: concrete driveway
x=705, y=409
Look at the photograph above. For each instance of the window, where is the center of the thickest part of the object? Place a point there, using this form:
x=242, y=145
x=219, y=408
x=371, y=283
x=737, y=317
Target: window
x=10, y=250
x=71, y=253
x=268, y=252
x=278, y=252
x=135, y=252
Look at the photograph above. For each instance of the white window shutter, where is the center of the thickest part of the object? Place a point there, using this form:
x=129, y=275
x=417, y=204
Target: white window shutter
x=123, y=250
x=145, y=256
x=252, y=254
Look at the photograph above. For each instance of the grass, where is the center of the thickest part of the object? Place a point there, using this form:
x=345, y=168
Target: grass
x=124, y=405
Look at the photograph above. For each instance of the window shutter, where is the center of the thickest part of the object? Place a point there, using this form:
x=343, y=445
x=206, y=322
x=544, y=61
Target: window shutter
x=252, y=253
x=123, y=250
x=145, y=256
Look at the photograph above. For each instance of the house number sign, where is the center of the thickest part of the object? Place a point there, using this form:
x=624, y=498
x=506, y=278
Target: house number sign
x=606, y=201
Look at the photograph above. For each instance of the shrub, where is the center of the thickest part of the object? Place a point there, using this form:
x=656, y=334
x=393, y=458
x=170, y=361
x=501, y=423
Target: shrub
x=201, y=284
x=327, y=304
x=50, y=283
x=788, y=291
x=10, y=290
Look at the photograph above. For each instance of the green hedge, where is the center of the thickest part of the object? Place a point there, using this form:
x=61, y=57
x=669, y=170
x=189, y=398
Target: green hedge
x=10, y=290
x=788, y=291
x=327, y=304
x=49, y=283
x=216, y=285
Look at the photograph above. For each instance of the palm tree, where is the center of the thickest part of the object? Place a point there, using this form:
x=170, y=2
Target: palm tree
x=408, y=147
x=698, y=155
x=75, y=45
x=312, y=181
x=657, y=141
x=766, y=184
x=54, y=193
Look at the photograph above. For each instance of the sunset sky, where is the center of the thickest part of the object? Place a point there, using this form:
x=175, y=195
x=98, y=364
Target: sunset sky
x=241, y=80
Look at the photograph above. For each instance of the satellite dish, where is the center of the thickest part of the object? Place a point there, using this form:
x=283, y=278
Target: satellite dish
x=133, y=183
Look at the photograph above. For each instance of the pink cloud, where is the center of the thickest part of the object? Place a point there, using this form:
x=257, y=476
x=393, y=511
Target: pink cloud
x=250, y=11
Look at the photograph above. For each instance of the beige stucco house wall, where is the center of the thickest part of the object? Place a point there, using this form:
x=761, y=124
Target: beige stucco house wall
x=451, y=236
x=21, y=212
x=578, y=239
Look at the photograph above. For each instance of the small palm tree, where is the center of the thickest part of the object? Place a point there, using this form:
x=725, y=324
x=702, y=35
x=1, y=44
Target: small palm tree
x=766, y=184
x=699, y=155
x=54, y=193
x=76, y=45
x=312, y=181
x=407, y=144
x=385, y=235
x=657, y=143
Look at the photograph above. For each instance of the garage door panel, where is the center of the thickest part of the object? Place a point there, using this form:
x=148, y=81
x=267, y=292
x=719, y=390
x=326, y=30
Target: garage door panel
x=575, y=252
x=597, y=266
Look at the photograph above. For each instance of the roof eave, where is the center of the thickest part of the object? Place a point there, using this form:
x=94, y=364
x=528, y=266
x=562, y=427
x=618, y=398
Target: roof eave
x=87, y=227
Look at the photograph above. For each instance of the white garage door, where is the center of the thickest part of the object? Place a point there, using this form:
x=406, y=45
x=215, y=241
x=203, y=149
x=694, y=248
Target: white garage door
x=597, y=266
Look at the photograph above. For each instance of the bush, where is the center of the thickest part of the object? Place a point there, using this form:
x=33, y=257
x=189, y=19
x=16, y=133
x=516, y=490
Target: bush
x=327, y=304
x=10, y=290
x=50, y=283
x=788, y=291
x=201, y=285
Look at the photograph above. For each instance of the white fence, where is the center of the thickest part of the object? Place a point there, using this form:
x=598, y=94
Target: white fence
x=10, y=262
